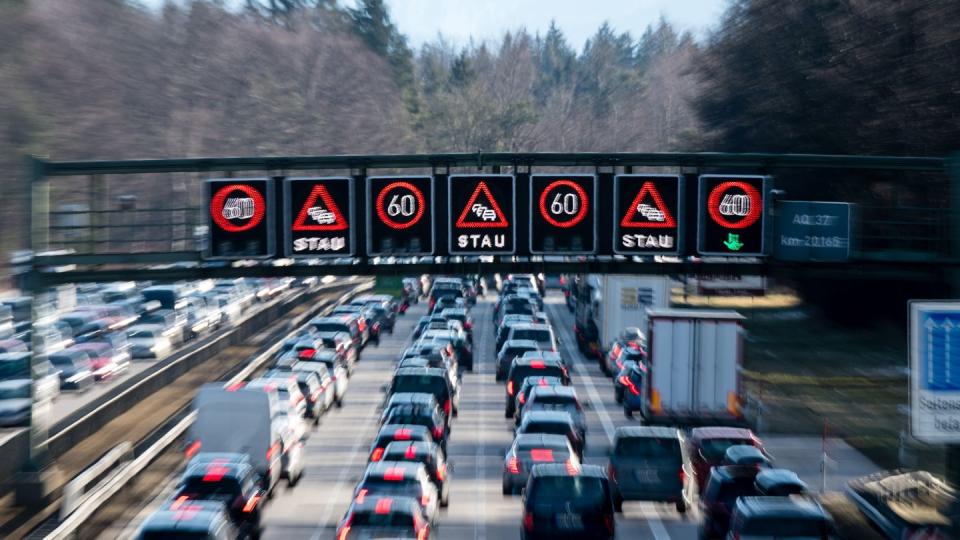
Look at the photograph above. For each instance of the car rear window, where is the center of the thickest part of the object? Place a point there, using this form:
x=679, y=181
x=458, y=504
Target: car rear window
x=540, y=336
x=554, y=428
x=578, y=491
x=525, y=445
x=714, y=449
x=556, y=399
x=648, y=448
x=779, y=526
x=223, y=489
x=419, y=383
x=738, y=487
x=331, y=327
x=373, y=519
x=522, y=372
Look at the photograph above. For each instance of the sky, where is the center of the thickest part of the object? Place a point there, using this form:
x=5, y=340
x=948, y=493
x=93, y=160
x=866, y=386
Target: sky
x=461, y=21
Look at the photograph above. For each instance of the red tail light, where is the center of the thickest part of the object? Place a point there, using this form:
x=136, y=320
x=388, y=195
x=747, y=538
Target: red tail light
x=193, y=449
x=251, y=504
x=402, y=434
x=510, y=387
x=424, y=500
x=448, y=406
x=344, y=532
x=513, y=465
x=441, y=472
x=411, y=452
x=572, y=468
x=383, y=506
x=438, y=433
x=522, y=398
x=215, y=473
x=306, y=353
x=467, y=325
x=537, y=364
x=625, y=381
x=273, y=451
x=393, y=474
x=542, y=454
x=235, y=386
x=361, y=495
x=528, y=521
x=377, y=454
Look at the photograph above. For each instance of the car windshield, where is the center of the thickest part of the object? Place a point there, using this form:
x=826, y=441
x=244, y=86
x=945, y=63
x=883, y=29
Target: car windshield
x=714, y=449
x=577, y=491
x=20, y=392
x=648, y=448
x=780, y=527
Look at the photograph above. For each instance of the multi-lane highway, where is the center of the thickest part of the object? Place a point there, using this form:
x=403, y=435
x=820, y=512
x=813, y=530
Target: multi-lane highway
x=337, y=451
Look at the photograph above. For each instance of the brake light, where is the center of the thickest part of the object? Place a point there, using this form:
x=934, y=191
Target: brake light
x=448, y=406
x=383, y=506
x=377, y=454
x=424, y=532
x=528, y=521
x=251, y=504
x=572, y=468
x=441, y=472
x=411, y=452
x=625, y=381
x=193, y=449
x=510, y=387
x=361, y=495
x=393, y=474
x=467, y=325
x=537, y=364
x=513, y=465
x=402, y=434
x=542, y=454
x=179, y=502
x=306, y=353
x=235, y=386
x=273, y=451
x=424, y=500
x=438, y=433
x=344, y=532
x=522, y=398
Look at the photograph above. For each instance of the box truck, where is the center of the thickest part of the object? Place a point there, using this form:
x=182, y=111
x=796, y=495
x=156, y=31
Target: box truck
x=692, y=376
x=608, y=304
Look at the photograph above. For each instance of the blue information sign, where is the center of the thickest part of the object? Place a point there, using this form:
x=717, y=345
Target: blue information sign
x=935, y=371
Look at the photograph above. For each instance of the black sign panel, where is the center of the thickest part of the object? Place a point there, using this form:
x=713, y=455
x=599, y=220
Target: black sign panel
x=318, y=214
x=732, y=215
x=563, y=213
x=647, y=214
x=482, y=211
x=400, y=215
x=240, y=218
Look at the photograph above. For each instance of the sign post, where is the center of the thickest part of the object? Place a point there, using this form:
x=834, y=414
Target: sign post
x=647, y=214
x=563, y=214
x=732, y=220
x=935, y=371
x=482, y=214
x=318, y=213
x=400, y=215
x=813, y=231
x=240, y=218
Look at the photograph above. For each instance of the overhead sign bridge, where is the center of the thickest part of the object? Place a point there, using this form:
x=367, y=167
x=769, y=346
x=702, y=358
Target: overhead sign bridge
x=710, y=214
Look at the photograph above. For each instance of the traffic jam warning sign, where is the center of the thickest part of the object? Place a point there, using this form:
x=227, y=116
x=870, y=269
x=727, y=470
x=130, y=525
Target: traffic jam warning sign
x=317, y=217
x=400, y=215
x=647, y=214
x=482, y=211
x=732, y=215
x=563, y=213
x=240, y=218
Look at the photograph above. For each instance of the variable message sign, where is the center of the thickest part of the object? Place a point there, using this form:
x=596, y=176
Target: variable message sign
x=482, y=214
x=318, y=213
x=400, y=215
x=813, y=231
x=647, y=214
x=240, y=217
x=732, y=215
x=563, y=214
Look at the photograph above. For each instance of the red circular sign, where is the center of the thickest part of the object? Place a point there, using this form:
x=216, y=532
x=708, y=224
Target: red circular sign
x=219, y=200
x=753, y=213
x=584, y=203
x=386, y=211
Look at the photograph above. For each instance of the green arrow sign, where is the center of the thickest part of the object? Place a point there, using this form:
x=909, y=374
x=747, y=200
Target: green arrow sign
x=733, y=242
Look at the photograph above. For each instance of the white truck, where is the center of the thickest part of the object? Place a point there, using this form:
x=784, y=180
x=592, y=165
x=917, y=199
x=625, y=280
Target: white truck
x=609, y=304
x=693, y=376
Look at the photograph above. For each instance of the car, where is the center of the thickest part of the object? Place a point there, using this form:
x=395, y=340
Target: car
x=15, y=402
x=363, y=318
x=435, y=381
x=411, y=398
x=553, y=423
x=557, y=398
x=397, y=432
x=463, y=316
x=104, y=360
x=13, y=345
x=423, y=415
x=174, y=323
x=509, y=351
x=228, y=479
x=747, y=456
x=347, y=324
x=708, y=445
x=650, y=463
x=524, y=392
x=401, y=479
x=563, y=501
x=770, y=518
x=335, y=370
x=628, y=387
x=291, y=417
x=442, y=355
x=530, y=449
x=75, y=369
x=384, y=310
x=148, y=341
x=418, y=362
x=780, y=483
x=514, y=304
x=443, y=302
x=431, y=456
x=717, y=501
x=196, y=520
x=317, y=395
x=620, y=353
x=425, y=321
x=520, y=369
x=461, y=347
x=372, y=516
x=542, y=334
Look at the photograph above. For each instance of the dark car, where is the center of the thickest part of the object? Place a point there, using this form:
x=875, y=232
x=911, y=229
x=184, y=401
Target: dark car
x=76, y=369
x=620, y=353
x=384, y=309
x=526, y=387
x=461, y=347
x=411, y=398
x=194, y=520
x=342, y=323
x=462, y=315
x=709, y=444
x=373, y=516
x=553, y=423
x=435, y=381
x=650, y=463
x=521, y=368
x=425, y=321
x=431, y=456
x=561, y=501
x=724, y=486
x=400, y=479
x=229, y=479
x=780, y=517
x=780, y=483
x=421, y=415
x=394, y=432
x=509, y=351
x=557, y=398
x=530, y=449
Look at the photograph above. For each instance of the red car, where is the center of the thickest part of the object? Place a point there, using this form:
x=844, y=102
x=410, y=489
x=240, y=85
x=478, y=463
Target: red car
x=709, y=444
x=105, y=362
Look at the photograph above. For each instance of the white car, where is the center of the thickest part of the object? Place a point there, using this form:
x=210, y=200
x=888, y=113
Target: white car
x=148, y=341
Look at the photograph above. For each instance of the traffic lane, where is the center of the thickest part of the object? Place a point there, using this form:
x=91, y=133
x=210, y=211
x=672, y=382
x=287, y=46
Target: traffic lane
x=604, y=415
x=336, y=453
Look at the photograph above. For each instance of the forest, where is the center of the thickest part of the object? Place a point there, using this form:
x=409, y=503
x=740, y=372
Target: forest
x=101, y=79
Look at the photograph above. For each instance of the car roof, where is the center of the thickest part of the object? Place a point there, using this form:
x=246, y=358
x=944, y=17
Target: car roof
x=742, y=451
x=420, y=371
x=379, y=468
x=411, y=397
x=780, y=507
x=194, y=515
x=555, y=390
x=541, y=438
x=560, y=469
x=521, y=343
x=391, y=429
x=454, y=311
x=772, y=477
x=657, y=432
x=547, y=416
x=532, y=326
x=718, y=432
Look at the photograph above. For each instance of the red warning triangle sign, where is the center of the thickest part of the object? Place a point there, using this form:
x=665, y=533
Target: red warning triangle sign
x=323, y=217
x=641, y=213
x=482, y=214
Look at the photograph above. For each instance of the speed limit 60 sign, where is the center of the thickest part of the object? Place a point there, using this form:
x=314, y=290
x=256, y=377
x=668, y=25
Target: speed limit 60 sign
x=240, y=218
x=732, y=218
x=563, y=213
x=400, y=215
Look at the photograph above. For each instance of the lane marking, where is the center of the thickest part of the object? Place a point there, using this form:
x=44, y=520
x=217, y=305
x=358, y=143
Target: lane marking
x=480, y=521
x=652, y=519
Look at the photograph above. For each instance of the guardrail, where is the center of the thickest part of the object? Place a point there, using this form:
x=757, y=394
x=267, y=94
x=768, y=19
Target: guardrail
x=113, y=485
